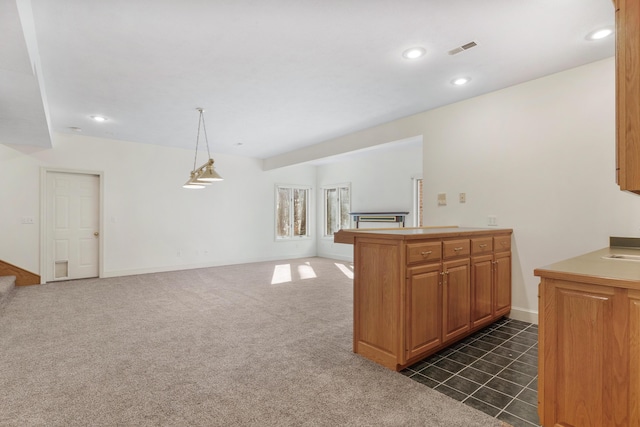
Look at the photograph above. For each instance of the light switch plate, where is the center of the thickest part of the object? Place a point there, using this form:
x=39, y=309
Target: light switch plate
x=442, y=199
x=463, y=197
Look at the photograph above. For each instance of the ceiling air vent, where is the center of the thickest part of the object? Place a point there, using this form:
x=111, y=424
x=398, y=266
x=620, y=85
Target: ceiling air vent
x=463, y=48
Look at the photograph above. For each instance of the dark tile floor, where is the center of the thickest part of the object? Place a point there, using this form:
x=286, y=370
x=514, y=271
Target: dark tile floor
x=494, y=370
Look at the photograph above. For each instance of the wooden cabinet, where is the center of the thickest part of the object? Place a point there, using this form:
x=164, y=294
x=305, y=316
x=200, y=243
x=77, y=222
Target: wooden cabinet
x=482, y=311
x=424, y=309
x=634, y=357
x=490, y=279
x=456, y=299
x=502, y=284
x=413, y=290
x=589, y=352
x=628, y=94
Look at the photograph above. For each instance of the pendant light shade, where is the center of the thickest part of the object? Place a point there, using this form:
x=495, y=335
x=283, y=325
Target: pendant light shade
x=209, y=174
x=205, y=174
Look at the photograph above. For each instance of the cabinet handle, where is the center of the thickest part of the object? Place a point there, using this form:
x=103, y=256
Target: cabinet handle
x=457, y=249
x=426, y=253
x=484, y=245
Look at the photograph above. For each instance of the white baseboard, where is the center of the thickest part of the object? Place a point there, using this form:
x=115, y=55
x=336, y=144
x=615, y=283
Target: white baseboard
x=524, y=315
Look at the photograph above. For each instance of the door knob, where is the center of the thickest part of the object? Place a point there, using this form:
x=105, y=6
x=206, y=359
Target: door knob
x=96, y=234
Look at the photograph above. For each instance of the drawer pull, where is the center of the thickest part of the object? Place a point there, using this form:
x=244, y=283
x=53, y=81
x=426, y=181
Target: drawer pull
x=482, y=246
x=458, y=249
x=426, y=253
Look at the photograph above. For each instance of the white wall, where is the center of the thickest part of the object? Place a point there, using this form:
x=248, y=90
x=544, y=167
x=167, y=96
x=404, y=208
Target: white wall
x=381, y=180
x=539, y=156
x=148, y=216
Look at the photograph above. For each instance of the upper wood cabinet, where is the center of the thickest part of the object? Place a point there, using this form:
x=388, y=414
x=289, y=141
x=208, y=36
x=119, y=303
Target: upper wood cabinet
x=628, y=94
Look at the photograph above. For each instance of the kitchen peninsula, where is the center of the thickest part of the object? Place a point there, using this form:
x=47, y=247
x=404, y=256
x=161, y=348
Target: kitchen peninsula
x=418, y=290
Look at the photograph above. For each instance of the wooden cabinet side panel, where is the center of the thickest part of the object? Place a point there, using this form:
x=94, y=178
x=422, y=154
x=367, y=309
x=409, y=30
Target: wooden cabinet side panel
x=456, y=297
x=576, y=327
x=632, y=90
x=620, y=99
x=634, y=358
x=424, y=310
x=377, y=300
x=628, y=94
x=543, y=339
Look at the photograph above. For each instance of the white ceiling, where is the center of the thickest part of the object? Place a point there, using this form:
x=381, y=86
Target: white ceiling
x=272, y=75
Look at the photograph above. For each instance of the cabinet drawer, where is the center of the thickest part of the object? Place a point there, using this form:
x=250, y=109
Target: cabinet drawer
x=482, y=245
x=423, y=252
x=502, y=243
x=455, y=248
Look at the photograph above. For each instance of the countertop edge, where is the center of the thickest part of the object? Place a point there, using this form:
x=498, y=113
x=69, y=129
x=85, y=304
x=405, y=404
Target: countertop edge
x=348, y=235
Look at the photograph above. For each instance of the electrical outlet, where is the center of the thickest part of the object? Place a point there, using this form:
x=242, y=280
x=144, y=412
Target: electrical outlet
x=28, y=220
x=442, y=199
x=463, y=197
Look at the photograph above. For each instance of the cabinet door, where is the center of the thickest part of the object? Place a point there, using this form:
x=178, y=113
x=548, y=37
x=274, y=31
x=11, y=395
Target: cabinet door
x=424, y=310
x=481, y=290
x=502, y=284
x=580, y=354
x=456, y=295
x=634, y=358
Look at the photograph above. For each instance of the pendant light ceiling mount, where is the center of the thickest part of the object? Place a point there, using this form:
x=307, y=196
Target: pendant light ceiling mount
x=205, y=174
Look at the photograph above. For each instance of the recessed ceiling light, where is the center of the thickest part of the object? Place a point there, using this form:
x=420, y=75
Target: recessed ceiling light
x=414, y=53
x=99, y=118
x=600, y=34
x=460, y=81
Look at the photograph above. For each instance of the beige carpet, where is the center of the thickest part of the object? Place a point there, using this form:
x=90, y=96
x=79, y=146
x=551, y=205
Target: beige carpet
x=209, y=347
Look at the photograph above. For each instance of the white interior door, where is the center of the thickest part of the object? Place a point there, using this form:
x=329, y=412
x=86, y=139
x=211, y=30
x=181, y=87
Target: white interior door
x=73, y=227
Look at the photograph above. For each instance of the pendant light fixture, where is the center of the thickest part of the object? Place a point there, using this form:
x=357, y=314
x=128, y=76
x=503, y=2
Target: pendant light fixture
x=205, y=174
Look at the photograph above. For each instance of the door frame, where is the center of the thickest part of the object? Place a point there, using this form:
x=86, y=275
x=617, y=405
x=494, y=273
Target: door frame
x=44, y=216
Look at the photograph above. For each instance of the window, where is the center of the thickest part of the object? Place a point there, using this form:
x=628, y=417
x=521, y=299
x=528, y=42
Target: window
x=417, y=201
x=337, y=205
x=292, y=212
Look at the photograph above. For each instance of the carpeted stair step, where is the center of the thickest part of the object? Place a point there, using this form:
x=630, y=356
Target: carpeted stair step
x=7, y=285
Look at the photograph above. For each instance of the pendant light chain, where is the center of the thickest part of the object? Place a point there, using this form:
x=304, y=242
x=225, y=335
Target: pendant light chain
x=195, y=158
x=204, y=128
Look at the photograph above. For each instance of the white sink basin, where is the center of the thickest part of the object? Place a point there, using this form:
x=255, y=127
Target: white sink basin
x=623, y=257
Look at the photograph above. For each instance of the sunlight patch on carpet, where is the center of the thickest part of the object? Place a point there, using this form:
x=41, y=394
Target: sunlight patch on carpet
x=345, y=270
x=281, y=274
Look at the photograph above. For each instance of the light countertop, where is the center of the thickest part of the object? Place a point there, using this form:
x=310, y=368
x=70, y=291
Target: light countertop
x=595, y=268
